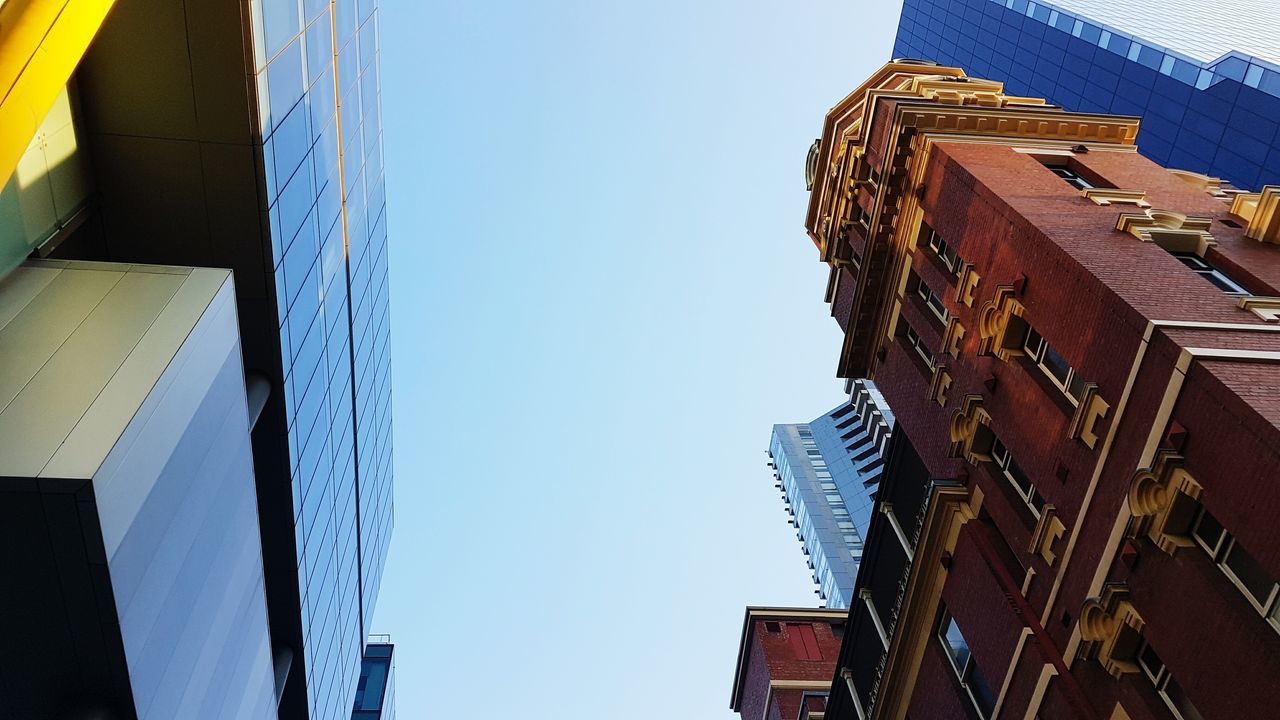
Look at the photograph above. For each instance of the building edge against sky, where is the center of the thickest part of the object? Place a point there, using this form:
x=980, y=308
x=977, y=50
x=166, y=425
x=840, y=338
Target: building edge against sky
x=827, y=472
x=1204, y=77
x=155, y=150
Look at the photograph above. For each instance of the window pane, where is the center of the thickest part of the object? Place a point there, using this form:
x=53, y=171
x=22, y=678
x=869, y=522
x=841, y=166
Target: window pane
x=1251, y=575
x=1033, y=343
x=956, y=644
x=1208, y=531
x=1150, y=662
x=1055, y=364
x=982, y=695
x=1178, y=699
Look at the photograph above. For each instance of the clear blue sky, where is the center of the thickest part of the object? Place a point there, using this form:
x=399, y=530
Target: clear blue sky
x=602, y=298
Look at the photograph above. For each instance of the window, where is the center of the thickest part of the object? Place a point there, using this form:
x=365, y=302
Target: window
x=945, y=253
x=1016, y=477
x=1257, y=585
x=1210, y=273
x=772, y=627
x=1166, y=687
x=913, y=341
x=931, y=300
x=1071, y=177
x=1063, y=376
x=803, y=641
x=971, y=679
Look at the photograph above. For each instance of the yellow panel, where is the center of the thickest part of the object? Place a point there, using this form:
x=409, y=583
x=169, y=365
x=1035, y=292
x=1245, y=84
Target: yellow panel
x=41, y=42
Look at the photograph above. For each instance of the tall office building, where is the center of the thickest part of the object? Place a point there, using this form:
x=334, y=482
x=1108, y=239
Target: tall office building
x=241, y=135
x=828, y=471
x=1081, y=351
x=1203, y=76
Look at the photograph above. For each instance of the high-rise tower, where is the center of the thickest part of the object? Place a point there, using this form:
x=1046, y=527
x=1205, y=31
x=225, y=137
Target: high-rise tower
x=1203, y=76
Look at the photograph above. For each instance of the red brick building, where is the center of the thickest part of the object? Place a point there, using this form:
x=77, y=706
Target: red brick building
x=785, y=662
x=1083, y=355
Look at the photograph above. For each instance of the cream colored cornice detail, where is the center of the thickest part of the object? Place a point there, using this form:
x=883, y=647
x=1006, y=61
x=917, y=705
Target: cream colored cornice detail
x=1162, y=499
x=994, y=322
x=1047, y=533
x=939, y=384
x=1205, y=183
x=968, y=439
x=967, y=285
x=1172, y=231
x=1109, y=626
x=952, y=337
x=1112, y=196
x=1262, y=211
x=1091, y=409
x=1267, y=308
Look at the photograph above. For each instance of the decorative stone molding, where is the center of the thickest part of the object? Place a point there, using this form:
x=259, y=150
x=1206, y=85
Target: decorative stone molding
x=939, y=384
x=1110, y=629
x=1163, y=500
x=1207, y=184
x=952, y=337
x=1090, y=410
x=971, y=431
x=1112, y=196
x=1172, y=231
x=967, y=285
x=1001, y=330
x=1047, y=533
x=1267, y=308
x=1262, y=211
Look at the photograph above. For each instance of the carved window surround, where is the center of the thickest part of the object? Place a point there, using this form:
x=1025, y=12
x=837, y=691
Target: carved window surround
x=967, y=285
x=1163, y=499
x=1114, y=196
x=939, y=384
x=998, y=317
x=952, y=337
x=1047, y=533
x=1262, y=211
x=1089, y=412
x=1267, y=308
x=1172, y=231
x=1111, y=630
x=971, y=435
x=1207, y=184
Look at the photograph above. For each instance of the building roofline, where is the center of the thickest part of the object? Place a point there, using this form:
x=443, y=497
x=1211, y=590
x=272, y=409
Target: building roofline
x=756, y=613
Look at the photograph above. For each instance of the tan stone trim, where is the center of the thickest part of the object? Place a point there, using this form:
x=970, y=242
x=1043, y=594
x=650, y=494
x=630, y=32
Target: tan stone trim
x=994, y=322
x=1172, y=231
x=1205, y=325
x=1013, y=666
x=1090, y=410
x=1093, y=480
x=1155, y=498
x=1109, y=626
x=1262, y=211
x=1119, y=713
x=1266, y=308
x=966, y=424
x=1172, y=390
x=1042, y=687
x=1113, y=196
x=952, y=337
x=1046, y=534
x=967, y=286
x=1268, y=356
x=939, y=384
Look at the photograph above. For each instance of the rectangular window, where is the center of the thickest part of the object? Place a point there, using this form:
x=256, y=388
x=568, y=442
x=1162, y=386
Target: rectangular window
x=1166, y=687
x=1016, y=477
x=944, y=252
x=931, y=299
x=967, y=672
x=1219, y=279
x=1071, y=177
x=1257, y=585
x=1053, y=365
x=803, y=642
x=914, y=342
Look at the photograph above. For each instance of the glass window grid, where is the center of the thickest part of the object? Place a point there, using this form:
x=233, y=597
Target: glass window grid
x=1168, y=689
x=1204, y=269
x=1042, y=355
x=1223, y=549
x=1071, y=177
x=956, y=648
x=932, y=300
x=1016, y=477
x=944, y=252
x=912, y=340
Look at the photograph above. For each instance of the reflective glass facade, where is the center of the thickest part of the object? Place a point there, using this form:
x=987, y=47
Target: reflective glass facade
x=376, y=691
x=318, y=95
x=1204, y=77
x=828, y=471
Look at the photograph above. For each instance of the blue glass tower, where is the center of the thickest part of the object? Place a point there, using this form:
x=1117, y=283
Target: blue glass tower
x=828, y=471
x=1204, y=77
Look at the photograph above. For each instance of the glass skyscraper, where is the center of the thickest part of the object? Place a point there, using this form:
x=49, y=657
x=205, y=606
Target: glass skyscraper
x=828, y=472
x=246, y=136
x=1204, y=77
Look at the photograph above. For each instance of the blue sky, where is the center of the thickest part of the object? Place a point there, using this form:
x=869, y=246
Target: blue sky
x=602, y=298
